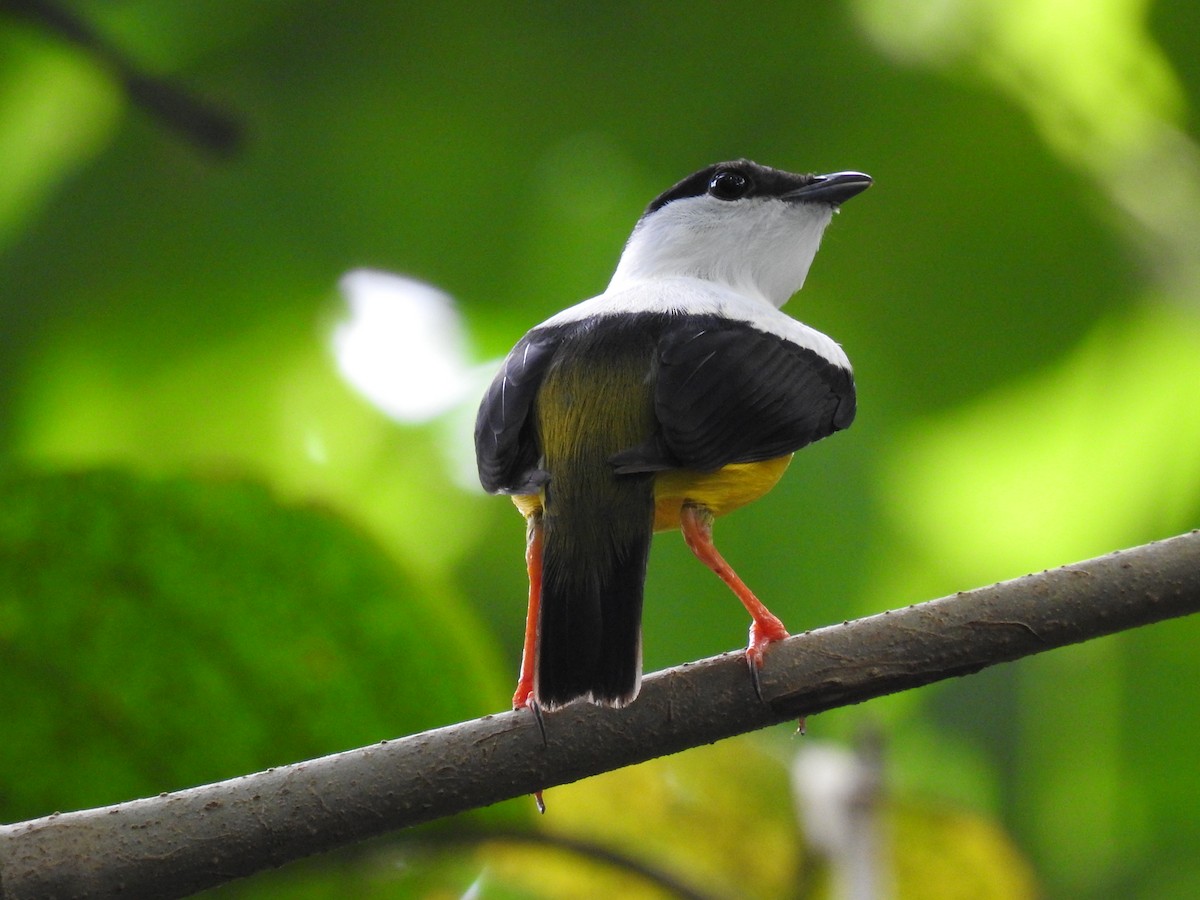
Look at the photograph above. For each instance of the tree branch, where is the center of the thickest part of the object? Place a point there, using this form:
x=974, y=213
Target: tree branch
x=178, y=843
x=200, y=122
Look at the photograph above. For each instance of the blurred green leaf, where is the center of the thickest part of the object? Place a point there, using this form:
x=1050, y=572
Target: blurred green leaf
x=56, y=111
x=161, y=633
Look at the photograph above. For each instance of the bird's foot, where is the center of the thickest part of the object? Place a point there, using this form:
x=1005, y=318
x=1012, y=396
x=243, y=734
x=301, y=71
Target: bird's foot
x=763, y=633
x=523, y=699
x=524, y=694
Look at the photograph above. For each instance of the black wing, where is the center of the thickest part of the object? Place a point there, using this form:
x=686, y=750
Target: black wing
x=728, y=393
x=505, y=445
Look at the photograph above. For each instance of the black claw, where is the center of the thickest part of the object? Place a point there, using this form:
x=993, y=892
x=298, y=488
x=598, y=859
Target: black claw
x=536, y=709
x=755, y=679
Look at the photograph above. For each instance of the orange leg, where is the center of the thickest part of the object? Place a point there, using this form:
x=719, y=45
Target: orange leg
x=533, y=562
x=765, y=627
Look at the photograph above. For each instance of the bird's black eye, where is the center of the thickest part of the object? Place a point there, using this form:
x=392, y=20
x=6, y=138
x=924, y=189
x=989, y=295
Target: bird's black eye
x=729, y=185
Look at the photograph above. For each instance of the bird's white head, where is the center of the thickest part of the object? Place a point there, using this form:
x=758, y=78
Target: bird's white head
x=748, y=227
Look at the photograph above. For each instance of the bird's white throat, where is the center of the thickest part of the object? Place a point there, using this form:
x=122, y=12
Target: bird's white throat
x=760, y=247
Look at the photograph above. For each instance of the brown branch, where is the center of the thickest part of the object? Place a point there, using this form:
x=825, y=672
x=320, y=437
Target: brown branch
x=181, y=842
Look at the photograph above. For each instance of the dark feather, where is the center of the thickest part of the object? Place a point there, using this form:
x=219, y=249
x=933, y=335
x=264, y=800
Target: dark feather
x=506, y=448
x=726, y=392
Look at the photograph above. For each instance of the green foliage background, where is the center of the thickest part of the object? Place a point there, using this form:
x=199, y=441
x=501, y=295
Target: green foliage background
x=216, y=556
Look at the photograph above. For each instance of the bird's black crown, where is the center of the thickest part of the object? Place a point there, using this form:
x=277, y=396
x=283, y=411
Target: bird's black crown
x=733, y=180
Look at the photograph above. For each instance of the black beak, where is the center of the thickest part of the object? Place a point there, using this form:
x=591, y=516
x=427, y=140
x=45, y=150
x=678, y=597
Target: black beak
x=834, y=189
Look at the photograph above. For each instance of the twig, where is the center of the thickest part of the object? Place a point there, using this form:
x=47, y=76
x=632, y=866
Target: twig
x=590, y=850
x=175, y=107
x=178, y=843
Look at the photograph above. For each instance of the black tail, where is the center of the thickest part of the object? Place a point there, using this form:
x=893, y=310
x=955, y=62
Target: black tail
x=593, y=575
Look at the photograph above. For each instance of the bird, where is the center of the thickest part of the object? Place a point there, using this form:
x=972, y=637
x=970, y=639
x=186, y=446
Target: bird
x=675, y=396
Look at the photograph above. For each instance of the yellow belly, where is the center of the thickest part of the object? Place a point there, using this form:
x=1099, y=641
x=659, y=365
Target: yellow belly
x=721, y=491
